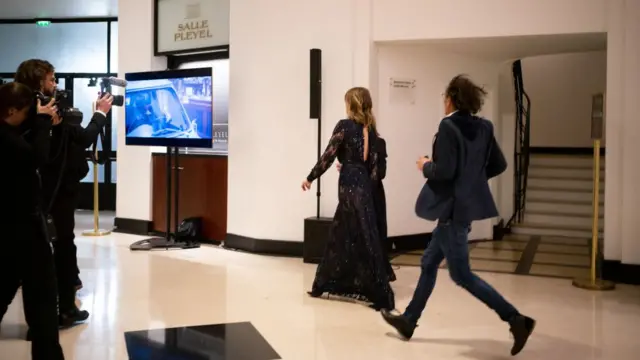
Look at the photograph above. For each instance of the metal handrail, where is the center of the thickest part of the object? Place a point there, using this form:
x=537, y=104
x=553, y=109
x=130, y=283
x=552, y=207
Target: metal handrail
x=521, y=153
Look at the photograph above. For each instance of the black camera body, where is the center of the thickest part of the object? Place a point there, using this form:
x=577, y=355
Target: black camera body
x=106, y=88
x=62, y=99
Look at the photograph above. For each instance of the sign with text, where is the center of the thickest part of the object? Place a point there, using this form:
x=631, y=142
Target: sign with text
x=184, y=26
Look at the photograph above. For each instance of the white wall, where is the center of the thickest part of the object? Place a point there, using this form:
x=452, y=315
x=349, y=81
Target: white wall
x=135, y=53
x=408, y=123
x=444, y=19
x=272, y=145
x=272, y=140
x=561, y=88
x=505, y=123
x=622, y=196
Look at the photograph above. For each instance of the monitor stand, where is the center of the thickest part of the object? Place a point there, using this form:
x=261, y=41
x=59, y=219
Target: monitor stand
x=169, y=241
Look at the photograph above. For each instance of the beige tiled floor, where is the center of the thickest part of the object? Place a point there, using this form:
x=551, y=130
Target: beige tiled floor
x=497, y=266
x=562, y=259
x=564, y=241
x=563, y=249
x=131, y=291
x=505, y=244
x=500, y=255
x=559, y=271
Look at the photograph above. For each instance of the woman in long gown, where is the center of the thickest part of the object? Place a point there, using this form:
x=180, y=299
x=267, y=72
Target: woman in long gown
x=380, y=201
x=354, y=263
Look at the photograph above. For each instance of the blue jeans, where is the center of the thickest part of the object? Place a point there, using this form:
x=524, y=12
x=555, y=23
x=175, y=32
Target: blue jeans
x=449, y=240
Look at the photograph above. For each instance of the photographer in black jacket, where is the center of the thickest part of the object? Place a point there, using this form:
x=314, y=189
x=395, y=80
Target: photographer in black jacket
x=26, y=257
x=61, y=178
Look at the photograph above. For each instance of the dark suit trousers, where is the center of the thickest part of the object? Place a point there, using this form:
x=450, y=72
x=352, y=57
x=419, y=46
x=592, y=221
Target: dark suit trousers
x=27, y=259
x=66, y=260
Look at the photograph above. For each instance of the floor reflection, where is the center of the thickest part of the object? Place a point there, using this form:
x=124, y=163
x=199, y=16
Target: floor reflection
x=208, y=342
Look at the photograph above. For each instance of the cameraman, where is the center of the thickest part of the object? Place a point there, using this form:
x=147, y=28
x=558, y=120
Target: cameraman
x=61, y=178
x=27, y=256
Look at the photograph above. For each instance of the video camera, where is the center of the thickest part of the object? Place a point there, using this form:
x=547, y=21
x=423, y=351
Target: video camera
x=106, y=87
x=63, y=100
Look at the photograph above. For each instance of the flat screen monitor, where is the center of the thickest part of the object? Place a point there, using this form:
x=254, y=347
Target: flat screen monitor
x=169, y=108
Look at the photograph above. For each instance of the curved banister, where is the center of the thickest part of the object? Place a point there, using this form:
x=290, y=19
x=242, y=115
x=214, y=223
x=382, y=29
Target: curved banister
x=521, y=153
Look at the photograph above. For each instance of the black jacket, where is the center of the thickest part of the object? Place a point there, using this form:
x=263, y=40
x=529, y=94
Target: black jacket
x=70, y=141
x=459, y=172
x=21, y=154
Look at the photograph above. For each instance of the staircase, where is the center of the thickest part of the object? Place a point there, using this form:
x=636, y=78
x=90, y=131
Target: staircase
x=559, y=196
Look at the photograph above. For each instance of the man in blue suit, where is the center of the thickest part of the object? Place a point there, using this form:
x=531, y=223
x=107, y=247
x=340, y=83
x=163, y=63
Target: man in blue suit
x=465, y=156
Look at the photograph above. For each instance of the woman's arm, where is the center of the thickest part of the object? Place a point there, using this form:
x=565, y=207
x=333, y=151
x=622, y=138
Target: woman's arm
x=330, y=153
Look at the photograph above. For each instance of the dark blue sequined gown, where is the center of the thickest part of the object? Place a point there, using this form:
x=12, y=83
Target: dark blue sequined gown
x=354, y=263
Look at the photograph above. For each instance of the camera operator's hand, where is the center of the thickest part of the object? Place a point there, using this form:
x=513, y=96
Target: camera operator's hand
x=50, y=109
x=103, y=104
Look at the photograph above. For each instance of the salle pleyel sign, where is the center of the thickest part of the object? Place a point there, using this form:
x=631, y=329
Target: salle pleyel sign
x=185, y=25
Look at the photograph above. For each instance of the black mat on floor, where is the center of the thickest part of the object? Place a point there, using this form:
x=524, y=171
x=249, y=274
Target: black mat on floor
x=233, y=341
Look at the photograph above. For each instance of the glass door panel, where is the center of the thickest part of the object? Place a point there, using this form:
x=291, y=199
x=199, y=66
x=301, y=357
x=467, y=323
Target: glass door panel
x=85, y=93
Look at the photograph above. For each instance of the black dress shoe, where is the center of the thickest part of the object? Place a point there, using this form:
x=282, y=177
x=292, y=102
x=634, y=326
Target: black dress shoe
x=71, y=318
x=399, y=322
x=521, y=328
x=314, y=293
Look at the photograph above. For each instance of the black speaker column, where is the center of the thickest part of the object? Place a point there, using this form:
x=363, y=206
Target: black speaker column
x=315, y=107
x=316, y=229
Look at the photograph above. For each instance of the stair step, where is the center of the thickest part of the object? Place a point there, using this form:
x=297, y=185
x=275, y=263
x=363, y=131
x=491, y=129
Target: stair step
x=569, y=166
x=550, y=183
x=532, y=199
x=563, y=172
x=561, y=189
x=568, y=177
x=583, y=196
x=560, y=213
x=561, y=207
x=572, y=161
x=553, y=227
x=579, y=222
x=551, y=230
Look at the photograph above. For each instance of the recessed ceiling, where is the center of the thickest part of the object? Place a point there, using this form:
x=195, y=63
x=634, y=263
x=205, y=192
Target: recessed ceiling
x=516, y=47
x=33, y=9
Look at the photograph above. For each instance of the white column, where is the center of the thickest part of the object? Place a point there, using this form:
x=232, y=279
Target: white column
x=630, y=169
x=614, y=125
x=135, y=53
x=362, y=49
x=272, y=142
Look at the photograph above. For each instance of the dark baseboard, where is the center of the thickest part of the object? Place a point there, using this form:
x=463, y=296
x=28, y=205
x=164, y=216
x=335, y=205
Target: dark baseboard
x=132, y=226
x=263, y=246
x=296, y=249
x=564, y=150
x=411, y=242
x=614, y=270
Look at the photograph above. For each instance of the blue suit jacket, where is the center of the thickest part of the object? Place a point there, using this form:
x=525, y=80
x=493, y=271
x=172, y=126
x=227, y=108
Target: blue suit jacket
x=465, y=156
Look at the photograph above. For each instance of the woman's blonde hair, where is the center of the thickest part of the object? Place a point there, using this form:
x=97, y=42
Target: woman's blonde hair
x=360, y=107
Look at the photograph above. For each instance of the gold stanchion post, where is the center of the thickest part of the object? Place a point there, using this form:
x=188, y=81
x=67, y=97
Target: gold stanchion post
x=597, y=124
x=96, y=231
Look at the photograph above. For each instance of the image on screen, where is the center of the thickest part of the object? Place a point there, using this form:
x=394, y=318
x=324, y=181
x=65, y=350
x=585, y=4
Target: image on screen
x=169, y=108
